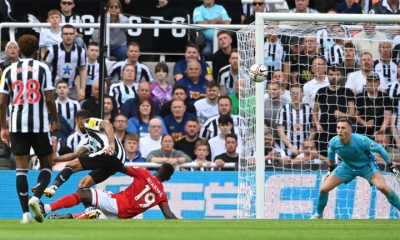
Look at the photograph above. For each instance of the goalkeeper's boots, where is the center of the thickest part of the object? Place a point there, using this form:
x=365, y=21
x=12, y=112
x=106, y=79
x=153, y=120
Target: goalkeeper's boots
x=26, y=218
x=37, y=208
x=92, y=213
x=50, y=191
x=316, y=216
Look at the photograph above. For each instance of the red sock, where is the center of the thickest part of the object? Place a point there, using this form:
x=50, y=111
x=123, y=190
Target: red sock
x=66, y=202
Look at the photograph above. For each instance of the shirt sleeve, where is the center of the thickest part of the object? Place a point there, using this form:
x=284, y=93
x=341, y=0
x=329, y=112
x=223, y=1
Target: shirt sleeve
x=93, y=123
x=224, y=14
x=331, y=152
x=197, y=15
x=4, y=88
x=48, y=79
x=83, y=58
x=50, y=56
x=134, y=171
x=41, y=39
x=377, y=148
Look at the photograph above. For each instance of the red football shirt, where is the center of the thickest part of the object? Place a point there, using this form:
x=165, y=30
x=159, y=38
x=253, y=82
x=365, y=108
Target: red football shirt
x=145, y=192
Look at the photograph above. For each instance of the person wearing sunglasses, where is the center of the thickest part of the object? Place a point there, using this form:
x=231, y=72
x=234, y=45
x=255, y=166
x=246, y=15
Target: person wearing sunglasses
x=258, y=6
x=68, y=15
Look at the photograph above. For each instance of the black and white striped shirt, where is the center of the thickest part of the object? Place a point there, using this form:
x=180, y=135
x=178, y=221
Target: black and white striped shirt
x=393, y=91
x=76, y=140
x=387, y=72
x=65, y=64
x=334, y=55
x=141, y=70
x=274, y=56
x=121, y=92
x=97, y=140
x=67, y=109
x=296, y=123
x=93, y=71
x=25, y=82
x=210, y=128
x=70, y=19
x=227, y=79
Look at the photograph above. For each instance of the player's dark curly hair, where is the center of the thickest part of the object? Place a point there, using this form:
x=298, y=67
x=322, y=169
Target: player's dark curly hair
x=165, y=172
x=28, y=45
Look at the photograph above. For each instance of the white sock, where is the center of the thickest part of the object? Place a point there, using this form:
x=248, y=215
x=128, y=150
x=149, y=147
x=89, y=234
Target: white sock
x=47, y=208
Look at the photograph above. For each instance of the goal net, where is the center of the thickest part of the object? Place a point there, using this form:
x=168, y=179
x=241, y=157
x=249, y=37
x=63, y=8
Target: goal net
x=318, y=71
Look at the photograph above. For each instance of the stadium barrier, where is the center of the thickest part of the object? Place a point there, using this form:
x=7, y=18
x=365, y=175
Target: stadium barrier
x=213, y=195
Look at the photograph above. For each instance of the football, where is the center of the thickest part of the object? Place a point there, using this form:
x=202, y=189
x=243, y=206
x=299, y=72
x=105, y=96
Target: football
x=258, y=72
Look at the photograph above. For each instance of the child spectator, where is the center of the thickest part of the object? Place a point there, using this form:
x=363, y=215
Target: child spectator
x=49, y=37
x=161, y=90
x=131, y=146
x=201, y=149
x=217, y=144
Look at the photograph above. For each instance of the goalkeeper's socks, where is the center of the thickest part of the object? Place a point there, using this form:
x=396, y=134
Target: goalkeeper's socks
x=43, y=180
x=393, y=198
x=63, y=176
x=65, y=202
x=22, y=188
x=322, y=201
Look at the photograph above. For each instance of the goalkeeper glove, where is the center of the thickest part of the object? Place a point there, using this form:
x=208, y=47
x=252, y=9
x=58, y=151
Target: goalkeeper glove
x=393, y=168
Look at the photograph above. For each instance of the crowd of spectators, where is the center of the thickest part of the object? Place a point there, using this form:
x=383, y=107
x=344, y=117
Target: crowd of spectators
x=193, y=116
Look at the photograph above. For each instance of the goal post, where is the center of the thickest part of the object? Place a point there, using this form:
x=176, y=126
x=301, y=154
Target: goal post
x=252, y=175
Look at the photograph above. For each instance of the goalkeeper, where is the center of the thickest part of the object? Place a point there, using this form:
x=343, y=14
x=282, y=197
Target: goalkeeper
x=355, y=151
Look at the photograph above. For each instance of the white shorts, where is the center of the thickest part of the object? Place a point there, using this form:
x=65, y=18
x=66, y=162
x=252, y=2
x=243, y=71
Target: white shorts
x=103, y=201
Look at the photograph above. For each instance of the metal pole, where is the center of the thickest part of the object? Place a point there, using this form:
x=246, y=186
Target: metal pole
x=260, y=162
x=103, y=49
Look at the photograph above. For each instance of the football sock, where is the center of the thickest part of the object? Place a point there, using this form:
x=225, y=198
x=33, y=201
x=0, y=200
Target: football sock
x=22, y=188
x=66, y=202
x=393, y=198
x=63, y=176
x=43, y=180
x=322, y=201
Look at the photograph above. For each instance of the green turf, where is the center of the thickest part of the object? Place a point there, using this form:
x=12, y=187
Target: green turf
x=202, y=229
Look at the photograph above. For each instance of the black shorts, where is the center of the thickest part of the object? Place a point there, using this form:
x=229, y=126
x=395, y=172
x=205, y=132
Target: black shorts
x=21, y=144
x=103, y=166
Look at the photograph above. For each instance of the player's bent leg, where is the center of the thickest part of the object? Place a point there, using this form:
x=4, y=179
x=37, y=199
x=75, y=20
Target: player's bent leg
x=41, y=144
x=64, y=202
x=86, y=182
x=42, y=181
x=63, y=176
x=330, y=183
x=379, y=182
x=103, y=201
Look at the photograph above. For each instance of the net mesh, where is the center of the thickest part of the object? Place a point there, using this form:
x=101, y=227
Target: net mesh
x=303, y=58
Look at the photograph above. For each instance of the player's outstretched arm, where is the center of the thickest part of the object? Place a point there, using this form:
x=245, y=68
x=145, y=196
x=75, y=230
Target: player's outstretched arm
x=108, y=129
x=166, y=210
x=70, y=156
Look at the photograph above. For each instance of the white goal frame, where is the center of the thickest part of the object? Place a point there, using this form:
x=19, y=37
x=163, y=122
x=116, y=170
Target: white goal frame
x=259, y=87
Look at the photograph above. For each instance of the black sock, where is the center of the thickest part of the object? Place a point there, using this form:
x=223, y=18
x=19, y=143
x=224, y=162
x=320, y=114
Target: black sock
x=63, y=176
x=42, y=182
x=22, y=188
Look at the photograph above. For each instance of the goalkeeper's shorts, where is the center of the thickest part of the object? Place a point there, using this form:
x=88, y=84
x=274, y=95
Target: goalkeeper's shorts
x=347, y=173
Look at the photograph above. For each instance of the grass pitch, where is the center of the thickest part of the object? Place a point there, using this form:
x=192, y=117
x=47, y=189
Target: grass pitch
x=201, y=229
